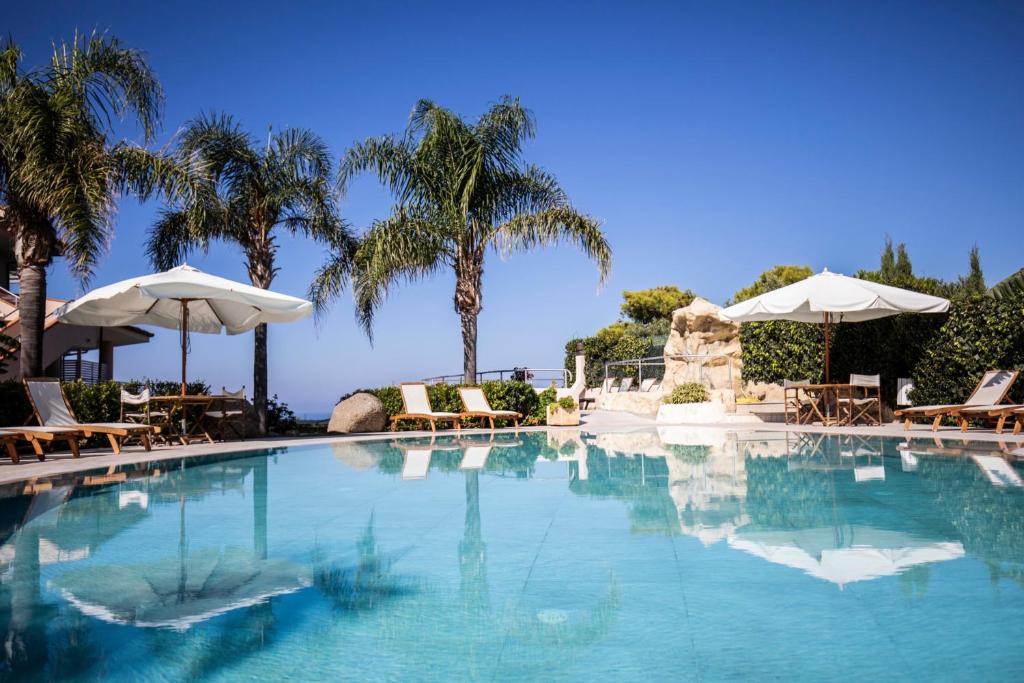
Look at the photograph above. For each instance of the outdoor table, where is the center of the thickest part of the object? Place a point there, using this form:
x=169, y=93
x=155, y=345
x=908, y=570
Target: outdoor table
x=823, y=401
x=178, y=403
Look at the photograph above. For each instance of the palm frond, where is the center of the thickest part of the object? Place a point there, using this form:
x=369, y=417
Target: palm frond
x=1010, y=287
x=561, y=224
x=171, y=240
x=403, y=248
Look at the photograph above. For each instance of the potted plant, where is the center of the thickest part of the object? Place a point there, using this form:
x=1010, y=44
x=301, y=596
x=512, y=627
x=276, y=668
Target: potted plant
x=564, y=412
x=690, y=404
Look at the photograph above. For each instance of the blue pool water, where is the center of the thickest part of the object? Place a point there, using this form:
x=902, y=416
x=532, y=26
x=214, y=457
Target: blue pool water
x=677, y=554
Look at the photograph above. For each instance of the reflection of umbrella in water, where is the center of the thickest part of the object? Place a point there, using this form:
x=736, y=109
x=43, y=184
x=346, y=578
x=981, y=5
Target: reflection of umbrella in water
x=859, y=554
x=178, y=592
x=175, y=594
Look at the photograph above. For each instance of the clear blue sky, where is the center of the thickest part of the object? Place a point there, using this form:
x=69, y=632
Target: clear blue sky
x=714, y=140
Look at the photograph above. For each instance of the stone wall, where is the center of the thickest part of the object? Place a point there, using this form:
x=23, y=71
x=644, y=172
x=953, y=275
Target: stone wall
x=697, y=330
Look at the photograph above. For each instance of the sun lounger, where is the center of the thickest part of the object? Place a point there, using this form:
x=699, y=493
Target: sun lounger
x=626, y=384
x=476, y=405
x=52, y=409
x=33, y=435
x=416, y=463
x=990, y=393
x=416, y=406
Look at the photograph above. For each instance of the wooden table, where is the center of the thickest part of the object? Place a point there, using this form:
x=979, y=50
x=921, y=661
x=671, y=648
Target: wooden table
x=822, y=403
x=179, y=404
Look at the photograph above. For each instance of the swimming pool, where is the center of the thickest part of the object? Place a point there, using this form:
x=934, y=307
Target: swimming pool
x=671, y=554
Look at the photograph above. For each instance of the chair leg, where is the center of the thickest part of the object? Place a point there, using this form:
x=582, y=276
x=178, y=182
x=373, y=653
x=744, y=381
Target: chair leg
x=936, y=422
x=146, y=443
x=1000, y=423
x=1018, y=424
x=114, y=445
x=12, y=452
x=906, y=425
x=72, y=442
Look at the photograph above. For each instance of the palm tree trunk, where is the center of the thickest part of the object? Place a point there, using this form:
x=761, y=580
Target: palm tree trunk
x=32, y=312
x=259, y=377
x=468, y=275
x=261, y=273
x=468, y=347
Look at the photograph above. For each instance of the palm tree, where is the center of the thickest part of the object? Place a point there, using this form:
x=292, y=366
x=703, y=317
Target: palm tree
x=462, y=190
x=59, y=172
x=257, y=190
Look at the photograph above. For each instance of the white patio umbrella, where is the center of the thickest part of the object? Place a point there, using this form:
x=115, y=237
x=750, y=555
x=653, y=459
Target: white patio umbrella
x=187, y=300
x=821, y=297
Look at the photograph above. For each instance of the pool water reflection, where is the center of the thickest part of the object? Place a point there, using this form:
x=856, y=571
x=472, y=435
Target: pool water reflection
x=682, y=553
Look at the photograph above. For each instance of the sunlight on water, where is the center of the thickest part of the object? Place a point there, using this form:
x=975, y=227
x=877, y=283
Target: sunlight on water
x=678, y=553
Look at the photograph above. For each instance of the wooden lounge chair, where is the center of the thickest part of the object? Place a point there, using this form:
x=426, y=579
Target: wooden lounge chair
x=416, y=406
x=989, y=394
x=476, y=405
x=51, y=409
x=1000, y=414
x=9, y=436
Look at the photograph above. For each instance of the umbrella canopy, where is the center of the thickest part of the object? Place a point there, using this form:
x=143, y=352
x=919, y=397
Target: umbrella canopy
x=852, y=299
x=822, y=297
x=184, y=299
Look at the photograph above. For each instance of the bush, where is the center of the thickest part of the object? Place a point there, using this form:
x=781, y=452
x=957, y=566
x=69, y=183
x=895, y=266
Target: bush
x=280, y=418
x=688, y=393
x=980, y=333
x=615, y=342
x=544, y=398
x=783, y=349
x=566, y=403
x=652, y=305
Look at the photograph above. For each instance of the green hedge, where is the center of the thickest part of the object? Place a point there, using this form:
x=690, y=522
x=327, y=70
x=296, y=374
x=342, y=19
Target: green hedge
x=980, y=333
x=502, y=395
x=782, y=349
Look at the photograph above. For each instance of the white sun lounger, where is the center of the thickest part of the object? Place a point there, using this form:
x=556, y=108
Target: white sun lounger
x=474, y=457
x=476, y=405
x=416, y=406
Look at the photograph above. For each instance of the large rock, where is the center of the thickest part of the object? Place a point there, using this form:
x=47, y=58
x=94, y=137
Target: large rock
x=358, y=413
x=698, y=331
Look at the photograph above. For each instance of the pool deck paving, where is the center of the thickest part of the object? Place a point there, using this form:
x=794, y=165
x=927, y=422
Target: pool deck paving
x=30, y=470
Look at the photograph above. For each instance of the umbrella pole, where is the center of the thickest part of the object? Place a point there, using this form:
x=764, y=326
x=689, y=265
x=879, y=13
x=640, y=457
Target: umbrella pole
x=184, y=341
x=826, y=316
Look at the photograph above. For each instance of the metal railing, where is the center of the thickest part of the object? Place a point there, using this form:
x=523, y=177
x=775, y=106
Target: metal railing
x=538, y=377
x=72, y=368
x=654, y=366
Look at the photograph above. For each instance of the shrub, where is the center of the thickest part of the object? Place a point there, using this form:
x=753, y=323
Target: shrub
x=280, y=418
x=688, y=393
x=566, y=403
x=657, y=303
x=615, y=342
x=783, y=349
x=544, y=398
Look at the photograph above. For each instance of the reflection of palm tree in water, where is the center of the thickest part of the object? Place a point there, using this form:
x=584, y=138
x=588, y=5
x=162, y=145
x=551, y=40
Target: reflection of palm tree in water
x=476, y=634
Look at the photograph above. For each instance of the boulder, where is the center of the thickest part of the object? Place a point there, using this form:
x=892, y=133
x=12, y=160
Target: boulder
x=698, y=331
x=358, y=413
